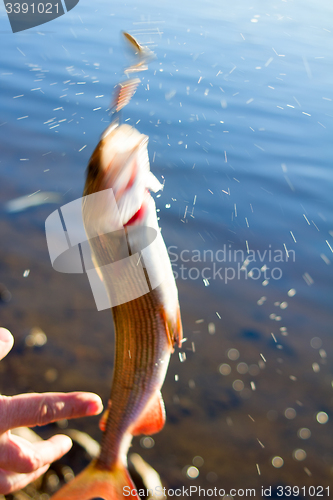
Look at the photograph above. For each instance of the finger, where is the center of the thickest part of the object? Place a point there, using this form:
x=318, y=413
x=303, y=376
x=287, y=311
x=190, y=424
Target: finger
x=6, y=342
x=12, y=481
x=19, y=455
x=29, y=410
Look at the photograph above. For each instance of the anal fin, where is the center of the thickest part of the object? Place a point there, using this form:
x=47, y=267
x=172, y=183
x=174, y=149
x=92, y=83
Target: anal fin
x=152, y=418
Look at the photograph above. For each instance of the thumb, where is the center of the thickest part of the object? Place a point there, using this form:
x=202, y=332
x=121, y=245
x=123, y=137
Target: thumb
x=6, y=342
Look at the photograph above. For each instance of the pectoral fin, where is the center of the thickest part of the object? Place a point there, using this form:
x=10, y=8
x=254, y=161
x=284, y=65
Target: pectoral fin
x=103, y=419
x=178, y=332
x=174, y=329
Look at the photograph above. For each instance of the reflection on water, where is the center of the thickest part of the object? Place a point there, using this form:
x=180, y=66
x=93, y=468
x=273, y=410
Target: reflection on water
x=238, y=108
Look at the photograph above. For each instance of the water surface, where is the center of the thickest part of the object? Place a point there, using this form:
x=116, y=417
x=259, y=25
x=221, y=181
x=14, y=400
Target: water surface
x=238, y=108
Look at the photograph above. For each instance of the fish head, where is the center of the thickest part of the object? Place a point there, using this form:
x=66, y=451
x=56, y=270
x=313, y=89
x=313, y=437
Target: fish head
x=120, y=162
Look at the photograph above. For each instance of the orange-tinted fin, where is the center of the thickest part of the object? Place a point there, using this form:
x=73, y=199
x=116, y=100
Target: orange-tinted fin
x=103, y=420
x=152, y=418
x=178, y=333
x=104, y=417
x=97, y=483
x=174, y=329
x=134, y=43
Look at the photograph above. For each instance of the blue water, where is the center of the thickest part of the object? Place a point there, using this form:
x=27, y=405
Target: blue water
x=238, y=108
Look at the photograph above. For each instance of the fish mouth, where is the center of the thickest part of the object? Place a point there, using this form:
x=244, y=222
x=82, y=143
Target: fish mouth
x=121, y=163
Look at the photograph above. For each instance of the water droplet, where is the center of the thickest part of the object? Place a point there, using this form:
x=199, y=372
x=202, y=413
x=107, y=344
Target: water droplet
x=261, y=364
x=315, y=367
x=238, y=385
x=233, y=354
x=304, y=433
x=198, y=461
x=299, y=455
x=51, y=375
x=182, y=356
x=36, y=337
x=291, y=292
x=290, y=413
x=307, y=471
x=224, y=369
x=277, y=462
x=192, y=472
x=211, y=328
x=316, y=343
x=261, y=301
x=191, y=384
x=147, y=442
x=322, y=417
x=5, y=295
x=242, y=368
x=52, y=481
x=62, y=424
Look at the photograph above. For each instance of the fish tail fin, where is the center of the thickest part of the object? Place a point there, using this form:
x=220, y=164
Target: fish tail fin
x=93, y=483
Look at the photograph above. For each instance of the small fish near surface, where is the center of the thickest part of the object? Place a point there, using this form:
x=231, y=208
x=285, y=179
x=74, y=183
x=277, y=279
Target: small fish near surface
x=120, y=220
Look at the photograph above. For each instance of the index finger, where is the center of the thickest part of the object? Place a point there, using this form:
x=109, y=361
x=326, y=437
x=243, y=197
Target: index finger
x=6, y=342
x=29, y=410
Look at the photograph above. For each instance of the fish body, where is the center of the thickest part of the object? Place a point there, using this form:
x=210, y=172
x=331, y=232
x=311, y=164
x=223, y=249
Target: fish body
x=146, y=327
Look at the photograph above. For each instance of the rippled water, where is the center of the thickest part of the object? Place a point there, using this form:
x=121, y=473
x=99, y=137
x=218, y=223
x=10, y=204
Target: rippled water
x=238, y=108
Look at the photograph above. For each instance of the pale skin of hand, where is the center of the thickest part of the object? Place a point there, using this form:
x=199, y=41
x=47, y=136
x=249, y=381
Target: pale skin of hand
x=21, y=462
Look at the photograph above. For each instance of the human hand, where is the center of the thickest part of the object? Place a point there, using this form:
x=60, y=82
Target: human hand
x=21, y=462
